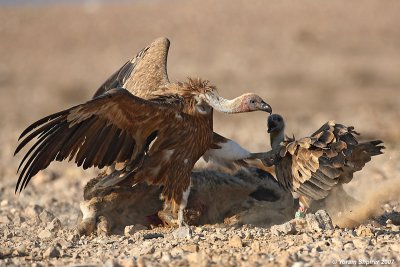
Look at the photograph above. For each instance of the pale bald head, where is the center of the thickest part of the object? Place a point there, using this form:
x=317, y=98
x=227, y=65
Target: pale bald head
x=252, y=102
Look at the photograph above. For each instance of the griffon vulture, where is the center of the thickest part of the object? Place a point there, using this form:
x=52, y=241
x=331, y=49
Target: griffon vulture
x=141, y=126
x=312, y=166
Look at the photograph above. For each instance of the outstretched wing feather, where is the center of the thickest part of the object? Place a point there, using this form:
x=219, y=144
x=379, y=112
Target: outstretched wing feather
x=97, y=133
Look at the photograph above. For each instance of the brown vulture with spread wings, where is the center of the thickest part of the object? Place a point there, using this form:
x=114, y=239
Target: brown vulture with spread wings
x=139, y=125
x=312, y=166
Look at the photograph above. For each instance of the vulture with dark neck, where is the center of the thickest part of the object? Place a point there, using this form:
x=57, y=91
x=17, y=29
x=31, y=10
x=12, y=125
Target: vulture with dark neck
x=139, y=125
x=312, y=166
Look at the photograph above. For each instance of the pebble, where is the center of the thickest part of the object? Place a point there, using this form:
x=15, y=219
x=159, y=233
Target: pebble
x=198, y=259
x=33, y=211
x=51, y=252
x=54, y=225
x=46, y=216
x=235, y=242
x=4, y=219
x=4, y=203
x=255, y=246
x=364, y=231
x=5, y=252
x=45, y=234
x=73, y=237
x=190, y=248
x=361, y=243
x=182, y=232
x=319, y=221
x=283, y=229
x=8, y=233
x=132, y=229
x=21, y=250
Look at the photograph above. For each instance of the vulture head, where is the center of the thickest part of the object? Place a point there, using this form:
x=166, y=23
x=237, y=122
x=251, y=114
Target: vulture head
x=252, y=102
x=276, y=129
x=245, y=103
x=275, y=123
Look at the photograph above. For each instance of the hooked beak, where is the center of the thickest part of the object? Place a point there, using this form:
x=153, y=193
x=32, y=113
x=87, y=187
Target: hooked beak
x=265, y=107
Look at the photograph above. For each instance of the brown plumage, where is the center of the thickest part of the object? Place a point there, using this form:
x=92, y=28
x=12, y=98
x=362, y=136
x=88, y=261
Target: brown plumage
x=312, y=166
x=142, y=127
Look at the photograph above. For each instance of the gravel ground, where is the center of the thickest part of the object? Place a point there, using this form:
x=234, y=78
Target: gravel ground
x=311, y=62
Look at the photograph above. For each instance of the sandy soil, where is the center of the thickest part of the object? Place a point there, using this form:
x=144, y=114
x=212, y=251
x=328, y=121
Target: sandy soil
x=311, y=61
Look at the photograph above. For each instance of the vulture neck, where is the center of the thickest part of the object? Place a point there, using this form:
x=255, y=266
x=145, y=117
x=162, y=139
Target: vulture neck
x=225, y=105
x=276, y=138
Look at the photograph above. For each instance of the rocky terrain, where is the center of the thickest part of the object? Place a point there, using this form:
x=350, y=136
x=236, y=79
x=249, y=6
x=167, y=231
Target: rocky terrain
x=312, y=62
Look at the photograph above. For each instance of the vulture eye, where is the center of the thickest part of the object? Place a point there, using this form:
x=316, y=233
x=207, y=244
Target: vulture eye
x=252, y=101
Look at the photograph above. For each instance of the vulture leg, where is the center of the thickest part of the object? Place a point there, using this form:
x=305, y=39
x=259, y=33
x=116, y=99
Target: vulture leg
x=304, y=203
x=183, y=230
x=182, y=206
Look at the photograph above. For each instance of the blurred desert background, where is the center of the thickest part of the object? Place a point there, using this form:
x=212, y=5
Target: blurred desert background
x=312, y=61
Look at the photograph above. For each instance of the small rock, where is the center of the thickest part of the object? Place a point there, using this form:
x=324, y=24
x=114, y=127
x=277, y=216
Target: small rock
x=165, y=257
x=320, y=221
x=348, y=246
x=298, y=264
x=34, y=221
x=152, y=236
x=54, y=225
x=5, y=252
x=190, y=248
x=132, y=229
x=235, y=242
x=182, y=232
x=33, y=211
x=128, y=263
x=62, y=243
x=45, y=234
x=147, y=250
x=255, y=246
x=337, y=243
x=4, y=203
x=21, y=250
x=111, y=263
x=4, y=219
x=364, y=231
x=8, y=234
x=46, y=216
x=283, y=229
x=177, y=251
x=51, y=252
x=360, y=243
x=73, y=237
x=198, y=259
x=18, y=220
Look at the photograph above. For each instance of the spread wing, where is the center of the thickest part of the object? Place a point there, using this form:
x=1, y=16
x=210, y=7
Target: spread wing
x=225, y=152
x=142, y=74
x=115, y=127
x=312, y=166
